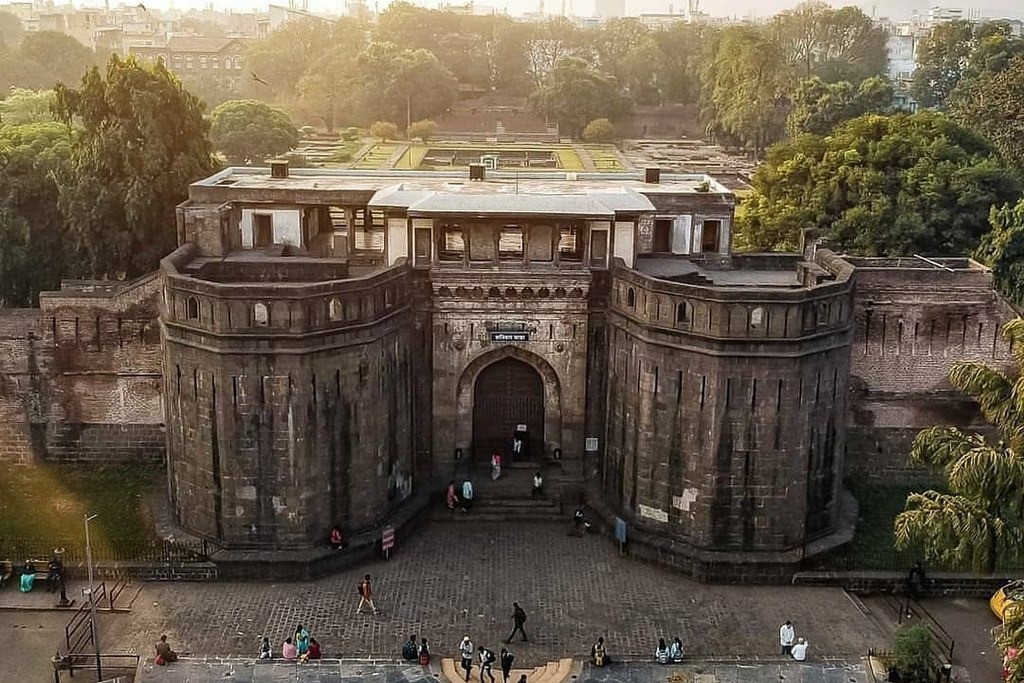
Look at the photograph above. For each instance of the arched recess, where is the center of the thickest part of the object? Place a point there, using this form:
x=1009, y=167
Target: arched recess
x=552, y=396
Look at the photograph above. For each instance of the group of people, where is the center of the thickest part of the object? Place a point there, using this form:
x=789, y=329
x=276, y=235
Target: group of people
x=790, y=644
x=671, y=653
x=414, y=651
x=299, y=647
x=486, y=658
x=54, y=573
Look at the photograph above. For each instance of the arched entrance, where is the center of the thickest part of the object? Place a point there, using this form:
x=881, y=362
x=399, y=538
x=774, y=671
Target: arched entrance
x=508, y=393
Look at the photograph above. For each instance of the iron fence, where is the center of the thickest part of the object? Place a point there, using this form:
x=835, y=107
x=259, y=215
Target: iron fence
x=19, y=551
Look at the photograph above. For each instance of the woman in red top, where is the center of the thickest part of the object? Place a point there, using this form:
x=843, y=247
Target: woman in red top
x=314, y=649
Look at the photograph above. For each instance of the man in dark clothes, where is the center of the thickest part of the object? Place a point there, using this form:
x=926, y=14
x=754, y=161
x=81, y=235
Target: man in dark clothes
x=518, y=619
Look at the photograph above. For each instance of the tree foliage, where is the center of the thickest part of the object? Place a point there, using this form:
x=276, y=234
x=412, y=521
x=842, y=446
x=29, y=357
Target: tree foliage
x=911, y=655
x=1003, y=250
x=599, y=130
x=745, y=87
x=424, y=130
x=26, y=106
x=878, y=185
x=818, y=107
x=11, y=30
x=141, y=140
x=1011, y=643
x=399, y=84
x=980, y=522
x=833, y=44
x=993, y=105
x=247, y=131
x=574, y=93
x=384, y=130
x=31, y=156
x=60, y=54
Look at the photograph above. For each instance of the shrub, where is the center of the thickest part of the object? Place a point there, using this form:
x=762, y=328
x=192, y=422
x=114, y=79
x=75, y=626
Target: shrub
x=296, y=160
x=424, y=130
x=911, y=654
x=599, y=130
x=384, y=130
x=341, y=156
x=351, y=133
x=307, y=131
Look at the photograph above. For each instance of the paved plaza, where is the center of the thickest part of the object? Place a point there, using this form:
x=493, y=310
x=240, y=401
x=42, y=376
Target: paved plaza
x=458, y=578
x=235, y=671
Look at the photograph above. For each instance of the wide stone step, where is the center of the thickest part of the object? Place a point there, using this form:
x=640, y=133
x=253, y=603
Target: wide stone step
x=552, y=672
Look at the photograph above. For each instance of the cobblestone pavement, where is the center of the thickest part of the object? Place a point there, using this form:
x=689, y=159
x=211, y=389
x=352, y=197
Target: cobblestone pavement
x=200, y=671
x=460, y=578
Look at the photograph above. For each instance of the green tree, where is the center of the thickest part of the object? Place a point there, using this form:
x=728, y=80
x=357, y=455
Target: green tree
x=911, y=655
x=423, y=130
x=247, y=131
x=626, y=49
x=326, y=90
x=1003, y=250
x=574, y=93
x=878, y=185
x=980, y=522
x=404, y=85
x=384, y=130
x=678, y=59
x=26, y=106
x=599, y=130
x=833, y=44
x=60, y=54
x=548, y=42
x=278, y=62
x=993, y=105
x=31, y=156
x=141, y=139
x=11, y=30
x=745, y=85
x=818, y=107
x=1011, y=637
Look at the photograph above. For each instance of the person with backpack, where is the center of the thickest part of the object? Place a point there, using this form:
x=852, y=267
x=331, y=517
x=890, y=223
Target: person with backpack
x=487, y=659
x=466, y=650
x=366, y=595
x=505, y=659
x=518, y=619
x=409, y=650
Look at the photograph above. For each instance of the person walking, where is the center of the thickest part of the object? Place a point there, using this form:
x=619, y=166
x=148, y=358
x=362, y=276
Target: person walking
x=786, y=637
x=505, y=659
x=366, y=595
x=495, y=466
x=467, y=494
x=487, y=659
x=466, y=650
x=518, y=619
x=538, y=485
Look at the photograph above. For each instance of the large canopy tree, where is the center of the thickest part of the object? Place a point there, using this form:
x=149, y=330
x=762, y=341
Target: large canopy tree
x=1003, y=249
x=404, y=85
x=140, y=140
x=980, y=522
x=574, y=94
x=818, y=107
x=834, y=44
x=58, y=53
x=247, y=131
x=31, y=155
x=993, y=105
x=878, y=185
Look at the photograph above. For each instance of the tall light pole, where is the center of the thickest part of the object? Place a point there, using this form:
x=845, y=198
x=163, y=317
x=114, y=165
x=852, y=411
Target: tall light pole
x=88, y=592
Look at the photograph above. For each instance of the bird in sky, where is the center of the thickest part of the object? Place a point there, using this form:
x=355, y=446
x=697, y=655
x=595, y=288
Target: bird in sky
x=258, y=79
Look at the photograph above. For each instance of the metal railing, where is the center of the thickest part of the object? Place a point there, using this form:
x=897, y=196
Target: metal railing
x=18, y=550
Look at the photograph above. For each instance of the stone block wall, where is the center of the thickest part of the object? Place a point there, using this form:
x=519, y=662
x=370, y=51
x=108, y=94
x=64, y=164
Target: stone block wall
x=911, y=325
x=80, y=377
x=727, y=429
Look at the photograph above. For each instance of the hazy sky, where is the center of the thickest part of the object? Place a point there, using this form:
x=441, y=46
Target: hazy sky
x=892, y=8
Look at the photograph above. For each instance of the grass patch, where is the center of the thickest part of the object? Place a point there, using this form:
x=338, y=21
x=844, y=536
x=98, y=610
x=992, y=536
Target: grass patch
x=873, y=545
x=605, y=158
x=47, y=504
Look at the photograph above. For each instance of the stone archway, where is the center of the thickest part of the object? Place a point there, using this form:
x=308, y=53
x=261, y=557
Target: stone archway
x=551, y=389
x=507, y=393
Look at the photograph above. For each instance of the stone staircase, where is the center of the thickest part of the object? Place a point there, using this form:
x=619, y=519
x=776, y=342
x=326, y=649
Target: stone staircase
x=552, y=672
x=507, y=499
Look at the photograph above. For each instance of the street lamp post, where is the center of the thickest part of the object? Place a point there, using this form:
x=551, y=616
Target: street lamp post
x=89, y=592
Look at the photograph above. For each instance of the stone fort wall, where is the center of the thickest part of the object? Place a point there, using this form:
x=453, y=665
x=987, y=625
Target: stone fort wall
x=911, y=324
x=80, y=377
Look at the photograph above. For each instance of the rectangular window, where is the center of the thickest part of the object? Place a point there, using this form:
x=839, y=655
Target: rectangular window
x=598, y=248
x=262, y=230
x=662, y=235
x=540, y=243
x=510, y=243
x=422, y=246
x=481, y=243
x=710, y=236
x=369, y=230
x=451, y=243
x=570, y=246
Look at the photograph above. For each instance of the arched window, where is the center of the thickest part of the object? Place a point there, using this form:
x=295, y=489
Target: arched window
x=756, y=318
x=189, y=62
x=335, y=311
x=237, y=62
x=260, y=315
x=684, y=313
x=192, y=308
x=824, y=312
x=631, y=298
x=227, y=62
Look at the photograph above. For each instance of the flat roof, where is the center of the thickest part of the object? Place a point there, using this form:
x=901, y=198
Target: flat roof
x=495, y=183
x=682, y=269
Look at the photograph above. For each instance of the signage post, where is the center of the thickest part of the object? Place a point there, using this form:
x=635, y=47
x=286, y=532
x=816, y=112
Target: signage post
x=620, y=535
x=387, y=541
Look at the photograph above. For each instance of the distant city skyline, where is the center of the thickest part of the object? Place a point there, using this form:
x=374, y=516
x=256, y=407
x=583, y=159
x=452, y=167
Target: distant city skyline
x=894, y=9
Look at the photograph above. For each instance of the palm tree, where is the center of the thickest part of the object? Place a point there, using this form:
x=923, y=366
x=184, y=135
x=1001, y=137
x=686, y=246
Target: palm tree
x=980, y=522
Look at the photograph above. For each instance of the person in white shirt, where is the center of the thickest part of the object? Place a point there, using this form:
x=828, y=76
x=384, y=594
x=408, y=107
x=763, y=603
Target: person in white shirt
x=800, y=650
x=786, y=637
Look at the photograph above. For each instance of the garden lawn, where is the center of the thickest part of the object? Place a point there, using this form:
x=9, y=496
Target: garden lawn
x=45, y=504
